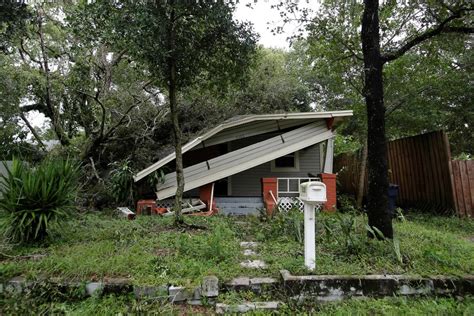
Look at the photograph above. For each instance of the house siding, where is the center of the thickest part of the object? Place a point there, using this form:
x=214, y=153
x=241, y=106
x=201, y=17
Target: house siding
x=248, y=182
x=4, y=172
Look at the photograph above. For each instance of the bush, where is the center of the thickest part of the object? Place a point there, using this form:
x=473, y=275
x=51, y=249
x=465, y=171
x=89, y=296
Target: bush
x=35, y=198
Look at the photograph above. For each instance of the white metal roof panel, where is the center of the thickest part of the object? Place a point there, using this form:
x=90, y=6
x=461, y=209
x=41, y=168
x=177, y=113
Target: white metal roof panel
x=242, y=120
x=246, y=158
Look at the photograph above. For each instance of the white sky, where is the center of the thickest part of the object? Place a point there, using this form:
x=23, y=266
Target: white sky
x=264, y=18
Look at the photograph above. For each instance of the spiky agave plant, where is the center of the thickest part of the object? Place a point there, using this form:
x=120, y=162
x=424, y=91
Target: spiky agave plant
x=35, y=198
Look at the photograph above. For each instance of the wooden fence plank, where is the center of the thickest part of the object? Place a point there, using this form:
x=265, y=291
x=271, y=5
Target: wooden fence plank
x=403, y=190
x=440, y=197
x=470, y=173
x=444, y=172
x=465, y=187
x=458, y=189
x=429, y=183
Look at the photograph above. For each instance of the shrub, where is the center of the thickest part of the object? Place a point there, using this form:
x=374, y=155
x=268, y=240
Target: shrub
x=121, y=182
x=35, y=198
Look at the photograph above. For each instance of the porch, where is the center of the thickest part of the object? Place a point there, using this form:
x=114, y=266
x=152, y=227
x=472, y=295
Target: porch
x=283, y=192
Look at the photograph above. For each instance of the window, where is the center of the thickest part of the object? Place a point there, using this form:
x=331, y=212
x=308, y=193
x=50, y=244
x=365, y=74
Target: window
x=288, y=162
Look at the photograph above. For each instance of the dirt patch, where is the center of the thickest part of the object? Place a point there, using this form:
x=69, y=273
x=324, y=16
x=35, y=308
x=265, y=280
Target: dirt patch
x=186, y=228
x=184, y=310
x=33, y=257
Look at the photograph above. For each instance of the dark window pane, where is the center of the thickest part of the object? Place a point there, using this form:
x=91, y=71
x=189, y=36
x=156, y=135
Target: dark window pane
x=287, y=161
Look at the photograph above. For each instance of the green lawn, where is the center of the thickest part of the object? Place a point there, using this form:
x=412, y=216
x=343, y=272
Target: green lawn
x=150, y=250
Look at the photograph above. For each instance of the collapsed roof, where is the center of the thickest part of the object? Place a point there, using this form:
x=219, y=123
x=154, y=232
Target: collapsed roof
x=241, y=127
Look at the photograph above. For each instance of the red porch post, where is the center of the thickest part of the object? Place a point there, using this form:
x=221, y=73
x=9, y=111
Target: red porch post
x=329, y=179
x=269, y=185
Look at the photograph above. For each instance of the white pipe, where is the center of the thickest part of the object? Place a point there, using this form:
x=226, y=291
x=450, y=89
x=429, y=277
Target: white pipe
x=309, y=236
x=212, y=197
x=273, y=197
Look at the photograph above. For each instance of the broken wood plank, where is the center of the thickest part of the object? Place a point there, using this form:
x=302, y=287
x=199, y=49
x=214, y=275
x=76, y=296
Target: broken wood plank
x=125, y=212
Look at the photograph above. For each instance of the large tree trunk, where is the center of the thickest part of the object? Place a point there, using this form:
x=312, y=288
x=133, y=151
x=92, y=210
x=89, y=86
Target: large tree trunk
x=362, y=172
x=175, y=121
x=377, y=203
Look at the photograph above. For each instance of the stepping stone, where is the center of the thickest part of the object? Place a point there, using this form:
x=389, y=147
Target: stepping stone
x=150, y=291
x=249, y=244
x=263, y=281
x=253, y=264
x=210, y=286
x=246, y=307
x=178, y=294
x=94, y=287
x=240, y=281
x=249, y=252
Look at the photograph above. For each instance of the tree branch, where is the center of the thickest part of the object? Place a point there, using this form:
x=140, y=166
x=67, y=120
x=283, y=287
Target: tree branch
x=22, y=50
x=117, y=58
x=458, y=29
x=120, y=122
x=96, y=99
x=32, y=107
x=441, y=28
x=32, y=130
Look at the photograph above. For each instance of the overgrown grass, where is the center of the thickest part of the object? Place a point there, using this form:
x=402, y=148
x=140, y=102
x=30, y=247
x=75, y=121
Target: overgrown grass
x=150, y=250
x=428, y=245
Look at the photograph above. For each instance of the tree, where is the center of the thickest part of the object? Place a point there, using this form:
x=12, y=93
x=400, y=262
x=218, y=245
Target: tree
x=273, y=85
x=182, y=43
x=13, y=15
x=87, y=90
x=374, y=61
x=405, y=35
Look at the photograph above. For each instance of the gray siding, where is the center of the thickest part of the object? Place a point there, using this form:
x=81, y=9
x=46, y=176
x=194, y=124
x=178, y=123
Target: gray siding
x=4, y=172
x=248, y=182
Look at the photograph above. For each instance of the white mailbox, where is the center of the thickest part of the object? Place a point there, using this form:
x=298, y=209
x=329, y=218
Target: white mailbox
x=313, y=192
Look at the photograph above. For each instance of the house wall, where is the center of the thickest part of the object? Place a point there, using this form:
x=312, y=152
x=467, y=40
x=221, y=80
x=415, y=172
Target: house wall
x=3, y=171
x=248, y=182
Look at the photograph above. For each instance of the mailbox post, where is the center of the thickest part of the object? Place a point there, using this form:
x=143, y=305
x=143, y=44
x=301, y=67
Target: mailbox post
x=312, y=194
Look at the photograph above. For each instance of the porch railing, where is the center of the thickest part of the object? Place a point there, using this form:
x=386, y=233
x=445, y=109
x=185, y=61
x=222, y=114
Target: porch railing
x=289, y=187
x=288, y=192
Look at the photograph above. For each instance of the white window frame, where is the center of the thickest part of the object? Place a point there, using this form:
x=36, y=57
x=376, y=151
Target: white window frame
x=287, y=169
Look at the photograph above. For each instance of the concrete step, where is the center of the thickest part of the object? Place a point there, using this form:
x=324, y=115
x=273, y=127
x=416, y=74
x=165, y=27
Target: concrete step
x=247, y=307
x=239, y=211
x=239, y=199
x=239, y=205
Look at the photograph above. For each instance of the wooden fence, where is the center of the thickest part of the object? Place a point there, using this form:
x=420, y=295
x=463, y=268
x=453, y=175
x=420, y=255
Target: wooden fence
x=463, y=186
x=421, y=165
